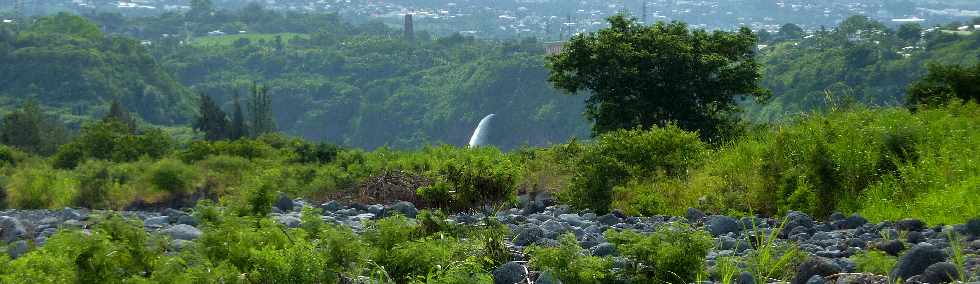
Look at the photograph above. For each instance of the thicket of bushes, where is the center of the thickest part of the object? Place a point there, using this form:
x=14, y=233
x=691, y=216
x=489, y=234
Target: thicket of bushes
x=886, y=163
x=256, y=249
x=109, y=165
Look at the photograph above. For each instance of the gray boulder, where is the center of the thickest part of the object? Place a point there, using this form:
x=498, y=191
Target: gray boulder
x=71, y=214
x=17, y=249
x=910, y=225
x=745, y=278
x=330, y=206
x=972, y=227
x=942, y=272
x=509, y=273
x=405, y=208
x=11, y=229
x=720, y=225
x=533, y=206
x=572, y=219
x=892, y=247
x=915, y=261
x=183, y=232
x=156, y=222
x=527, y=235
x=816, y=279
x=815, y=267
x=290, y=221
x=376, y=209
x=853, y=222
x=187, y=220
x=284, y=203
x=609, y=220
x=546, y=243
x=694, y=215
x=836, y=216
x=604, y=249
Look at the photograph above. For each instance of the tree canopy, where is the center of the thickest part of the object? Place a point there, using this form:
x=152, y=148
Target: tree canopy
x=654, y=75
x=944, y=83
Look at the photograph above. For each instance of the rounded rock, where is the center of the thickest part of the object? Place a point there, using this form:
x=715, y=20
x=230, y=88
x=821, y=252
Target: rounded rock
x=915, y=261
x=284, y=203
x=719, y=225
x=405, y=208
x=604, y=249
x=942, y=272
x=815, y=267
x=509, y=273
x=183, y=232
x=11, y=229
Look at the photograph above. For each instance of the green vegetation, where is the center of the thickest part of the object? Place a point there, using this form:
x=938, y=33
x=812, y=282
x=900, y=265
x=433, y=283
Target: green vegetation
x=859, y=61
x=258, y=250
x=886, y=163
x=643, y=76
x=68, y=65
x=672, y=254
x=944, y=84
x=875, y=262
x=619, y=160
x=570, y=263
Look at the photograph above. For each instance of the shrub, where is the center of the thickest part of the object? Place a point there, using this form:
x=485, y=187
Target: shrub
x=570, y=263
x=222, y=172
x=672, y=254
x=390, y=231
x=40, y=187
x=116, y=251
x=466, y=178
x=113, y=141
x=94, y=183
x=321, y=153
x=412, y=259
x=10, y=156
x=884, y=163
x=245, y=148
x=770, y=258
x=876, y=262
x=618, y=156
x=173, y=177
x=460, y=272
x=666, y=196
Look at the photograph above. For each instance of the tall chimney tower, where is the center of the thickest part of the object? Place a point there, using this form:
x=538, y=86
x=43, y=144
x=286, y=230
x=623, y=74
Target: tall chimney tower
x=409, y=28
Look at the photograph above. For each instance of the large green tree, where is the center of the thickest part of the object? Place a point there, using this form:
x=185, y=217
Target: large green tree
x=654, y=75
x=260, y=107
x=237, y=129
x=119, y=113
x=29, y=129
x=211, y=120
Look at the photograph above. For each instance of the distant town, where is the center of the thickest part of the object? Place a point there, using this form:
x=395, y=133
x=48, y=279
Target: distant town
x=554, y=20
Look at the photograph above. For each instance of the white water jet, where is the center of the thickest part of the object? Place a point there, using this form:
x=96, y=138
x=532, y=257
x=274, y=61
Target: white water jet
x=481, y=132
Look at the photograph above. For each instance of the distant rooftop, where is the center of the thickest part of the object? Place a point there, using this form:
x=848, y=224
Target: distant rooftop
x=909, y=20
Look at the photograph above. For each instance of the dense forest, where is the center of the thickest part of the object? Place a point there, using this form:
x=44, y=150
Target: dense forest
x=70, y=66
x=364, y=86
x=332, y=81
x=860, y=61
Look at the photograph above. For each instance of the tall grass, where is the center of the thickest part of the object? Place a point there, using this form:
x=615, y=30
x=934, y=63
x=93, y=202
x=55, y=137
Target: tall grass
x=885, y=163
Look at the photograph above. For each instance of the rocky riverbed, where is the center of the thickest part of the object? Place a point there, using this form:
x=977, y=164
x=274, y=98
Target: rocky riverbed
x=923, y=250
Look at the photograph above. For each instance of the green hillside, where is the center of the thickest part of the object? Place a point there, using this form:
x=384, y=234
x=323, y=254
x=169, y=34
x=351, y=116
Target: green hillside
x=71, y=67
